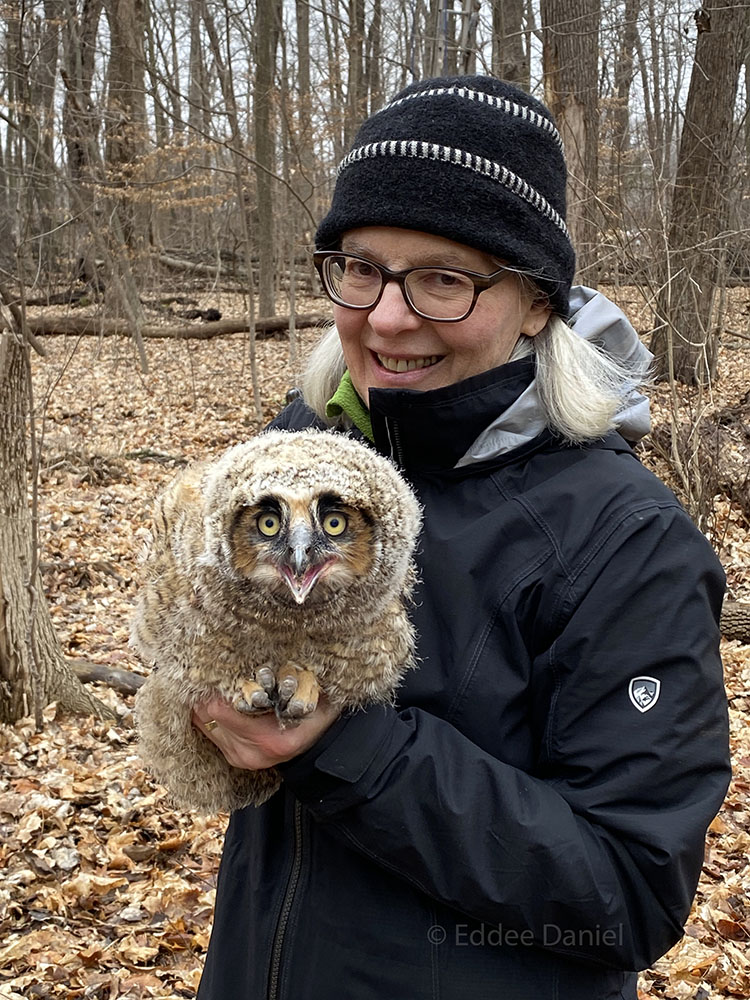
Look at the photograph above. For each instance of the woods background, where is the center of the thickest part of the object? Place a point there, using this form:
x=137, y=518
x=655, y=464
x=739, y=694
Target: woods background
x=163, y=167
x=138, y=136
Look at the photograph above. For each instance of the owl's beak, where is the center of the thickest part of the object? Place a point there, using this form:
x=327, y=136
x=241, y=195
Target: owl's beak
x=300, y=546
x=297, y=570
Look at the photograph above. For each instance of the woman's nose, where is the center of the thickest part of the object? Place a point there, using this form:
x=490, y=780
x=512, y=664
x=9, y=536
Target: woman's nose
x=392, y=315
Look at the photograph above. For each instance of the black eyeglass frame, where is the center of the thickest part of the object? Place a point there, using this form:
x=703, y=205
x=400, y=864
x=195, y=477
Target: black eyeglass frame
x=480, y=281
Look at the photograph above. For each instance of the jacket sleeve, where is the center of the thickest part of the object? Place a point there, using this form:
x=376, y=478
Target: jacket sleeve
x=608, y=832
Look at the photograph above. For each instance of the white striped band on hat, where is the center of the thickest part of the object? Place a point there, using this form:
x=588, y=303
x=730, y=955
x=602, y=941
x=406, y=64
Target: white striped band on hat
x=502, y=103
x=449, y=154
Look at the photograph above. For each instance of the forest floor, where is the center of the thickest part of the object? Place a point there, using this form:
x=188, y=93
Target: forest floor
x=106, y=890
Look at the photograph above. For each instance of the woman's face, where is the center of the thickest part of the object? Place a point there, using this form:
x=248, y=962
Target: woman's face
x=375, y=341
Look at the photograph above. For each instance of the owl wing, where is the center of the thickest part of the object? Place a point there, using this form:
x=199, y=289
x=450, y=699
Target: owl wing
x=163, y=612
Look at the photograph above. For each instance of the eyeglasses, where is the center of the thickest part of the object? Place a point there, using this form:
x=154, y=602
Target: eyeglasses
x=444, y=294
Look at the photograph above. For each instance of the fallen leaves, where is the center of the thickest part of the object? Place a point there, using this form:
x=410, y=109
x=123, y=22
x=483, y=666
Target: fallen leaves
x=101, y=877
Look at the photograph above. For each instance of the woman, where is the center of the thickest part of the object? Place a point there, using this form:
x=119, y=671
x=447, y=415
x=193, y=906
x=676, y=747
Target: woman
x=528, y=821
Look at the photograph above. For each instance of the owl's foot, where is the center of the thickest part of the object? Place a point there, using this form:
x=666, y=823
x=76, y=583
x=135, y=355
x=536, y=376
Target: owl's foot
x=292, y=693
x=252, y=699
x=298, y=692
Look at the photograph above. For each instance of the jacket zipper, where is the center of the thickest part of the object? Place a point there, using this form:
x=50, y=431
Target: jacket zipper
x=286, y=907
x=394, y=439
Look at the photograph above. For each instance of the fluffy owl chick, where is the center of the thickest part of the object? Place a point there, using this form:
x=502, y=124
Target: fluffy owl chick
x=278, y=570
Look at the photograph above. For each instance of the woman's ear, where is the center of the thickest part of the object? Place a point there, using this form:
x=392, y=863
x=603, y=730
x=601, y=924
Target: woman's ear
x=536, y=317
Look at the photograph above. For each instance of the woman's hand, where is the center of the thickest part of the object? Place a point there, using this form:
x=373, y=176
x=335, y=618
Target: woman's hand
x=258, y=741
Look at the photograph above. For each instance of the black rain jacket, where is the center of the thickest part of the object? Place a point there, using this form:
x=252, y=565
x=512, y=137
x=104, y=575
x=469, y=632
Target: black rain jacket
x=528, y=822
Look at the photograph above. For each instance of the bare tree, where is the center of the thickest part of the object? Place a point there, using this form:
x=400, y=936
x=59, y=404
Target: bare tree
x=455, y=31
x=356, y=98
x=267, y=24
x=80, y=123
x=32, y=669
x=375, y=57
x=510, y=60
x=686, y=338
x=241, y=180
x=624, y=72
x=332, y=33
x=41, y=70
x=125, y=122
x=570, y=60
x=304, y=183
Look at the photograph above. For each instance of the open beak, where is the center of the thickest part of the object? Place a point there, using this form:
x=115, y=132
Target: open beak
x=298, y=573
x=301, y=586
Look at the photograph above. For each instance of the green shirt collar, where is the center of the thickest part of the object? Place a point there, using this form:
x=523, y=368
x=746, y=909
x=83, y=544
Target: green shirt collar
x=346, y=400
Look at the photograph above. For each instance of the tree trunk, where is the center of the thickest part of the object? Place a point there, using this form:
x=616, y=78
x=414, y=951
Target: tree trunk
x=509, y=59
x=304, y=176
x=570, y=62
x=467, y=44
x=37, y=48
x=198, y=125
x=435, y=46
x=236, y=147
x=32, y=669
x=356, y=95
x=331, y=32
x=686, y=341
x=125, y=130
x=735, y=621
x=446, y=49
x=266, y=33
x=80, y=125
x=374, y=83
x=623, y=80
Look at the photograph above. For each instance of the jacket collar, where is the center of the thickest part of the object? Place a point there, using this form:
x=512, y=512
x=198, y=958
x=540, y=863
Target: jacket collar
x=435, y=430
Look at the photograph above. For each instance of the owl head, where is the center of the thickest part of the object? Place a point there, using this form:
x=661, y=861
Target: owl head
x=306, y=520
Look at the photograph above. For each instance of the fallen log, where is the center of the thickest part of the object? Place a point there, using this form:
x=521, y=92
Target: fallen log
x=96, y=326
x=302, y=269
x=735, y=621
x=195, y=267
x=124, y=681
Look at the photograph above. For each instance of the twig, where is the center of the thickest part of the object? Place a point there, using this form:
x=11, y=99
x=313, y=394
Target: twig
x=736, y=333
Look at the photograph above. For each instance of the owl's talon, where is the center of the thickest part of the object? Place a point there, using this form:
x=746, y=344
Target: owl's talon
x=305, y=698
x=252, y=699
x=266, y=678
x=297, y=709
x=287, y=680
x=287, y=687
x=253, y=708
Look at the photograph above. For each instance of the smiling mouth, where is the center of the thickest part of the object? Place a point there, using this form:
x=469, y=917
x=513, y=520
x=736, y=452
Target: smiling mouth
x=402, y=365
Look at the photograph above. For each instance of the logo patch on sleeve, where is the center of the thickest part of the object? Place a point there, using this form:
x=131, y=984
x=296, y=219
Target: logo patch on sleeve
x=644, y=692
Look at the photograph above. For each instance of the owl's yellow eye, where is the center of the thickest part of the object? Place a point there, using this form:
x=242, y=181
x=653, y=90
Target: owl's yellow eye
x=269, y=524
x=334, y=524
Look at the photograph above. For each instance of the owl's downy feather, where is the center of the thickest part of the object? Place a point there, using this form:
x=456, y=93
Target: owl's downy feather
x=292, y=552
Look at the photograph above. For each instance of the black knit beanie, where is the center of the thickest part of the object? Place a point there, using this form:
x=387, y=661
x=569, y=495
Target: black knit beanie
x=470, y=158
